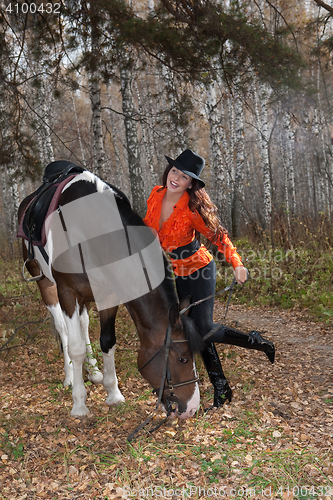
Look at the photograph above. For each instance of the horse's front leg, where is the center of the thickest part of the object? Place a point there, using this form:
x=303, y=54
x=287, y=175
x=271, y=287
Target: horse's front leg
x=77, y=352
x=94, y=374
x=108, y=346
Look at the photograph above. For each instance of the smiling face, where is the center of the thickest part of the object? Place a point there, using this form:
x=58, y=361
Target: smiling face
x=178, y=182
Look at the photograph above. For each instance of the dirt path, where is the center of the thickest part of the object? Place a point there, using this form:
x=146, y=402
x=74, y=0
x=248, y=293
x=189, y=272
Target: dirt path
x=300, y=382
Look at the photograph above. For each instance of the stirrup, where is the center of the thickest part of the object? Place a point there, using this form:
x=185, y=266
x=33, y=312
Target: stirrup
x=33, y=278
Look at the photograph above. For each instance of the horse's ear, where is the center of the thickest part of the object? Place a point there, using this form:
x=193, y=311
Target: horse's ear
x=174, y=317
x=184, y=303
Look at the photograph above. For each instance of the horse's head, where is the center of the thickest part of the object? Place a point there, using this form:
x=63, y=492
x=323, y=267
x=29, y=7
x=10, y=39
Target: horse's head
x=170, y=363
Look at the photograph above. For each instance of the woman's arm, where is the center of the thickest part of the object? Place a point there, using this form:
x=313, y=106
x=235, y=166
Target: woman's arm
x=224, y=246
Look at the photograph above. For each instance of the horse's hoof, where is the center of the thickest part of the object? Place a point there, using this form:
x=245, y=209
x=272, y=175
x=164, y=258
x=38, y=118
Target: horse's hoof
x=80, y=412
x=115, y=400
x=68, y=382
x=96, y=377
x=82, y=417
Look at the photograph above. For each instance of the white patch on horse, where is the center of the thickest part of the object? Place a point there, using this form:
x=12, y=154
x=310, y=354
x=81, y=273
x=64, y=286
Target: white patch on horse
x=85, y=176
x=89, y=177
x=193, y=403
x=60, y=325
x=91, y=365
x=77, y=353
x=110, y=380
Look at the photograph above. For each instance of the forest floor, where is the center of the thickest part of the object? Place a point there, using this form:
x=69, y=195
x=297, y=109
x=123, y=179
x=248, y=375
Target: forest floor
x=275, y=439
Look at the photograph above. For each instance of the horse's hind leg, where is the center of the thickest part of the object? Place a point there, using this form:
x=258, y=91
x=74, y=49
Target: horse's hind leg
x=77, y=352
x=108, y=346
x=94, y=375
x=49, y=295
x=61, y=328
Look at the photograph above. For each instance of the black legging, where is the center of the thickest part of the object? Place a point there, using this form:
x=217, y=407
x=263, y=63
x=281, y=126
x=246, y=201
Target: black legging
x=199, y=285
x=202, y=284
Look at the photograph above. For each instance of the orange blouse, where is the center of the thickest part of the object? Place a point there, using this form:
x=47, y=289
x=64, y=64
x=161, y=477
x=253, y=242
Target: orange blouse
x=179, y=230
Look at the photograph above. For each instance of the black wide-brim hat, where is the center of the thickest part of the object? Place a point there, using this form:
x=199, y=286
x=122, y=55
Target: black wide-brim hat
x=189, y=163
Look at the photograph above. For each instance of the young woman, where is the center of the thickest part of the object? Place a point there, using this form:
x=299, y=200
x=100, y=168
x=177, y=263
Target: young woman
x=179, y=210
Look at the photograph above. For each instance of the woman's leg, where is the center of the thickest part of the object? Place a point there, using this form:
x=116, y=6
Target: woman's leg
x=200, y=285
x=252, y=340
x=222, y=390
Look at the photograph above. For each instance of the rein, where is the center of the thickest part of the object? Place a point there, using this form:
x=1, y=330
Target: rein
x=166, y=377
x=148, y=419
x=226, y=289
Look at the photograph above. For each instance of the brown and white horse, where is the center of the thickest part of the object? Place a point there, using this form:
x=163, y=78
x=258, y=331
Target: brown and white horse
x=67, y=289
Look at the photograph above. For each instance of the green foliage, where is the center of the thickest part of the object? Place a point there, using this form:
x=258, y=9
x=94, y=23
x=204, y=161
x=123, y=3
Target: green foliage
x=194, y=44
x=295, y=278
x=14, y=448
x=193, y=38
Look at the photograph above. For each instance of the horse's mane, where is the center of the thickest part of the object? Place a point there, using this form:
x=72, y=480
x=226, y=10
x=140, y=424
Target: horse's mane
x=192, y=334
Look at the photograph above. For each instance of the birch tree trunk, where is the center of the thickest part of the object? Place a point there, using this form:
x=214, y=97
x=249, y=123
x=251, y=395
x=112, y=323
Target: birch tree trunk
x=147, y=139
x=132, y=142
x=4, y=225
x=43, y=108
x=291, y=170
x=330, y=174
x=227, y=146
x=78, y=129
x=261, y=106
x=309, y=200
x=325, y=164
x=230, y=158
x=180, y=134
x=325, y=170
x=318, y=174
x=10, y=197
x=119, y=177
x=238, y=212
x=287, y=165
x=100, y=156
x=218, y=173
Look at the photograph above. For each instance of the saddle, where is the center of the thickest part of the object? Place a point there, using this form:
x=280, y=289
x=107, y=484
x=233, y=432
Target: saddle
x=56, y=174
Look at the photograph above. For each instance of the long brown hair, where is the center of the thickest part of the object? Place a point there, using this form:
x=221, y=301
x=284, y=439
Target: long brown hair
x=201, y=202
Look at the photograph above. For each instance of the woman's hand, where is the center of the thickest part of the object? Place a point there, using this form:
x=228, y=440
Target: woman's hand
x=241, y=274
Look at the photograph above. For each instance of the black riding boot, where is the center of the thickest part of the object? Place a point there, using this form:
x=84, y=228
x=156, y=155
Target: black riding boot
x=222, y=391
x=252, y=340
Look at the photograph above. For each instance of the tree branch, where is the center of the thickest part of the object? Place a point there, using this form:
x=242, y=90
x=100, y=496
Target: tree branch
x=325, y=6
x=176, y=14
x=27, y=323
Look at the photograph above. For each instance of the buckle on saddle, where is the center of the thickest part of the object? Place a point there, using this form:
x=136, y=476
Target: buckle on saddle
x=33, y=278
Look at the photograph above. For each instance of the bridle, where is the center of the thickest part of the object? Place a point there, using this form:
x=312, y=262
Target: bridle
x=166, y=381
